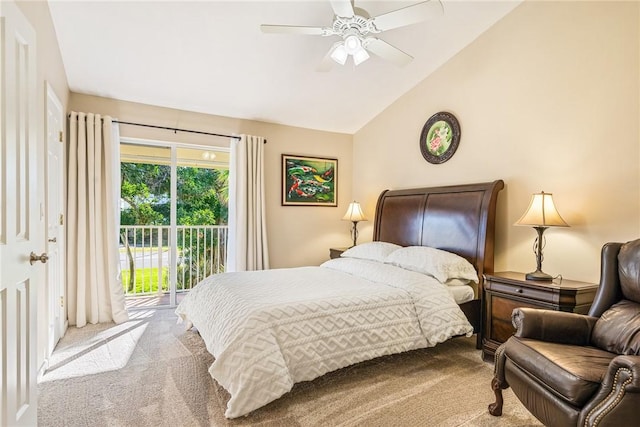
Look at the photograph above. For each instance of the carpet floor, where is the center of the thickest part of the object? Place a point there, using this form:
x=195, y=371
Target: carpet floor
x=151, y=372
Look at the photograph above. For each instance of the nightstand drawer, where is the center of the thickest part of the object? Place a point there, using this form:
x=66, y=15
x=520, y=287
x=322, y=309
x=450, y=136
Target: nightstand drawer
x=524, y=292
x=501, y=309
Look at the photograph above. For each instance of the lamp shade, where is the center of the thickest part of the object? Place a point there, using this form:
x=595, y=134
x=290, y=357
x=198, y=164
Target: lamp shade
x=340, y=54
x=360, y=56
x=354, y=213
x=352, y=44
x=542, y=212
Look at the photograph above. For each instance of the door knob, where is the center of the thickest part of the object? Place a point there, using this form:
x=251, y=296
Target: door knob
x=33, y=257
x=53, y=240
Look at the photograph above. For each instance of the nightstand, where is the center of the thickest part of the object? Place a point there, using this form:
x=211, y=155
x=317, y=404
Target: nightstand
x=336, y=252
x=505, y=291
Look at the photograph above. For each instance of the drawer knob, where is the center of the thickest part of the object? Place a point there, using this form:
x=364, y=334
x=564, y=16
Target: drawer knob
x=519, y=290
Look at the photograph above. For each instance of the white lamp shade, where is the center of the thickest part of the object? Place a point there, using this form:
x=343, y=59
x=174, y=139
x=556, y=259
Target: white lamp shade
x=360, y=56
x=354, y=213
x=542, y=212
x=352, y=44
x=340, y=54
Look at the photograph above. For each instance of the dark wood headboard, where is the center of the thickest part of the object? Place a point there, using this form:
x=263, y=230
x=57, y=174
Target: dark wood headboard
x=457, y=218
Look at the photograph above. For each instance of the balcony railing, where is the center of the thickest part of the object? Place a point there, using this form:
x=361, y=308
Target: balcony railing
x=145, y=256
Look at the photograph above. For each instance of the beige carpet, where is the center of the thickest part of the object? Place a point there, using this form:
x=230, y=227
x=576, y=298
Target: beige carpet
x=150, y=372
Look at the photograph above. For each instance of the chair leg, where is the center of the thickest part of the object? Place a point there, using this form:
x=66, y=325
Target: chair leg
x=499, y=382
x=495, y=408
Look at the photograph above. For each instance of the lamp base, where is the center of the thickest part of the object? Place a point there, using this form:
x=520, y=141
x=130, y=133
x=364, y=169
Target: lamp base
x=354, y=232
x=539, y=275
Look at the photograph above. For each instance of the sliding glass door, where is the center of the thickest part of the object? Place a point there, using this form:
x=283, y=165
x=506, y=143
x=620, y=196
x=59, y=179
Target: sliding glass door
x=173, y=217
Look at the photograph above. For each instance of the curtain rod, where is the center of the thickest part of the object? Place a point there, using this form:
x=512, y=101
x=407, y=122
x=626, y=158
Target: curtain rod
x=175, y=129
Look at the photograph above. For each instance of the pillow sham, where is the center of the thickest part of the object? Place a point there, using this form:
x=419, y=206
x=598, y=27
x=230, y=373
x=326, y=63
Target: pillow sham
x=442, y=265
x=374, y=251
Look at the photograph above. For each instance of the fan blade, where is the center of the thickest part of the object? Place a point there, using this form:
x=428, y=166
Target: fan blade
x=385, y=51
x=408, y=15
x=292, y=29
x=342, y=8
x=327, y=62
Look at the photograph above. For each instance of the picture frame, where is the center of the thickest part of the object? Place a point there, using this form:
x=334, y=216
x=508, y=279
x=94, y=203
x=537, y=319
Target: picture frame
x=309, y=181
x=440, y=137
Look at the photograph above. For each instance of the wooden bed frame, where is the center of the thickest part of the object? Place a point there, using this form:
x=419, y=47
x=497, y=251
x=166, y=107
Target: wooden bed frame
x=458, y=219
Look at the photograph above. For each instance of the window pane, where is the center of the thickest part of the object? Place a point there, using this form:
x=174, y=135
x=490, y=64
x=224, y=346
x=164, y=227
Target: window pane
x=202, y=207
x=145, y=207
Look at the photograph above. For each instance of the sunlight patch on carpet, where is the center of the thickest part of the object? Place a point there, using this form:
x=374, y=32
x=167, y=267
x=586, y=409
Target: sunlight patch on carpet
x=109, y=348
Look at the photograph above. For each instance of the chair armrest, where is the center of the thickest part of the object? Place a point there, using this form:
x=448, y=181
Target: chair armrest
x=553, y=326
x=630, y=364
x=617, y=400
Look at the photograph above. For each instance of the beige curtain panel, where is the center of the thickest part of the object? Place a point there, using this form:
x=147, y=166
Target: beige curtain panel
x=247, y=244
x=94, y=288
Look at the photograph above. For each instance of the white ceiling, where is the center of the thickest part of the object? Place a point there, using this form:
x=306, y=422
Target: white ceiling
x=211, y=57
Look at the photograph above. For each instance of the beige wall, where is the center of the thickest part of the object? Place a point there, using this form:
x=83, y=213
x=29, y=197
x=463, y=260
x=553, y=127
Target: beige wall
x=49, y=69
x=547, y=99
x=297, y=235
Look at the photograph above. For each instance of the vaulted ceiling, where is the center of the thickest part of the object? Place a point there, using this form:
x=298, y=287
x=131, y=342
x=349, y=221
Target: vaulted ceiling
x=211, y=57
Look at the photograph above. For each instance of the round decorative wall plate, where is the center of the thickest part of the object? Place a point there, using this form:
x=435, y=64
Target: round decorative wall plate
x=440, y=137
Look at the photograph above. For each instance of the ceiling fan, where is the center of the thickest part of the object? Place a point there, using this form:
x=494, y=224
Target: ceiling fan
x=357, y=30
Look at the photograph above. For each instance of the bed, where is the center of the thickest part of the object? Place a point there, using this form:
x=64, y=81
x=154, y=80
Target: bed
x=268, y=330
x=458, y=219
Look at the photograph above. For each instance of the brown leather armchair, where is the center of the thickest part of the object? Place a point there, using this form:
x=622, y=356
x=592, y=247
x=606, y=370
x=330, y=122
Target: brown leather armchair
x=570, y=369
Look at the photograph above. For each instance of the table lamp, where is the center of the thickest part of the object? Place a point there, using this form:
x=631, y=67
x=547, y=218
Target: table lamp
x=354, y=214
x=541, y=214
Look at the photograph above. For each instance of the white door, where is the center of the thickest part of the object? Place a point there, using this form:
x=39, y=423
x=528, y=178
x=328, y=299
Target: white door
x=19, y=219
x=55, y=235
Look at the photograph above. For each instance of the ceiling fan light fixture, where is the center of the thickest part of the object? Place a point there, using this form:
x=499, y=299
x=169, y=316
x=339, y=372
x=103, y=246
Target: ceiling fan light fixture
x=352, y=44
x=340, y=54
x=360, y=56
x=356, y=27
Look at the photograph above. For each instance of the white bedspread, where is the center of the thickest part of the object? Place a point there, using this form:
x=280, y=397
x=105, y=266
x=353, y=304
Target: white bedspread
x=270, y=329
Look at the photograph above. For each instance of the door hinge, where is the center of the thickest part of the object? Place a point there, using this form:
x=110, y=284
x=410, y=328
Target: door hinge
x=61, y=219
x=61, y=301
x=60, y=136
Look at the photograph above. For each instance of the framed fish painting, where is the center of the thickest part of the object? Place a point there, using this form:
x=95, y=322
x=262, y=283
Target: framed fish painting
x=309, y=181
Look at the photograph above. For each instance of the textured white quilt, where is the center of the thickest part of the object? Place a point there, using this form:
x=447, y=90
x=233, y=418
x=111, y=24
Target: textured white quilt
x=270, y=329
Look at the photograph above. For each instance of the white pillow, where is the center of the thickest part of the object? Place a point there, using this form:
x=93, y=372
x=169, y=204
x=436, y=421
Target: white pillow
x=458, y=282
x=440, y=264
x=374, y=251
